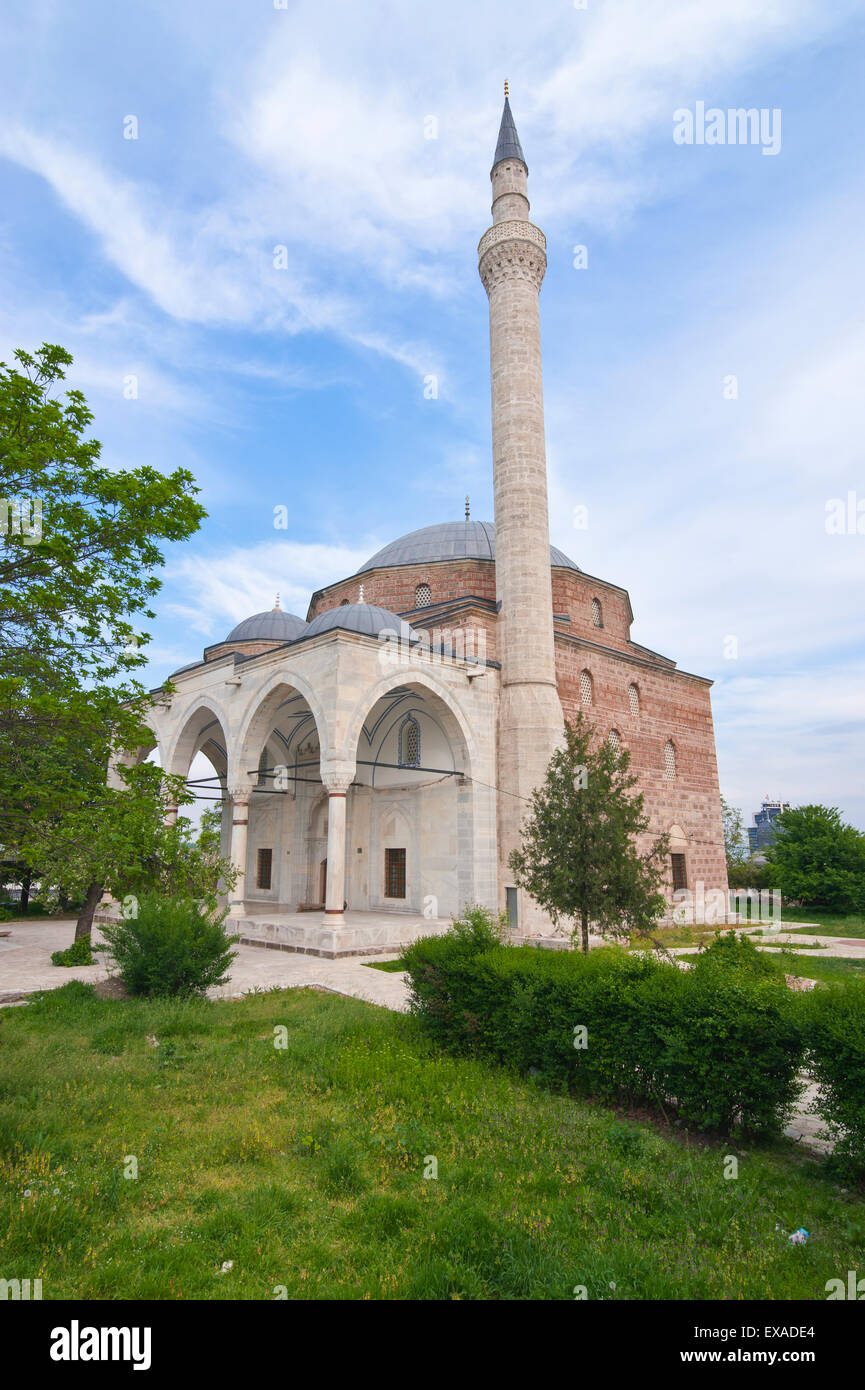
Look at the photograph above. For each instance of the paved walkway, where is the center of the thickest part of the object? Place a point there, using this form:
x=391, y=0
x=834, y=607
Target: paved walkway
x=25, y=966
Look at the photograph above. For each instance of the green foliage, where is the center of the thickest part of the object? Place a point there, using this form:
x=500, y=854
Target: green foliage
x=836, y=1054
x=818, y=860
x=171, y=947
x=719, y=1043
x=252, y=1154
x=735, y=838
x=578, y=858
x=732, y=953
x=79, y=953
x=73, y=598
x=749, y=873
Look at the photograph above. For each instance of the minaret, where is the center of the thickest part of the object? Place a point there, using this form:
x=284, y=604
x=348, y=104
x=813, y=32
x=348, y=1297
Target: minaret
x=511, y=261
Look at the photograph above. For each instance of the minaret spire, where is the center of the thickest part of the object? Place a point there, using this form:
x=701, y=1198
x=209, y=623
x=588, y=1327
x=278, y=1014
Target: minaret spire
x=512, y=261
x=508, y=145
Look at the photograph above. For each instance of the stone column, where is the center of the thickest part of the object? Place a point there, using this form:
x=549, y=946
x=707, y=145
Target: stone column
x=171, y=815
x=337, y=777
x=239, y=835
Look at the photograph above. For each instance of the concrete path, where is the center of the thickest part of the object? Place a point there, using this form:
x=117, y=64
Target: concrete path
x=25, y=966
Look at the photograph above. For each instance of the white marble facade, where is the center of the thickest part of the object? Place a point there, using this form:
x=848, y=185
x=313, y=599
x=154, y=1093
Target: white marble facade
x=330, y=753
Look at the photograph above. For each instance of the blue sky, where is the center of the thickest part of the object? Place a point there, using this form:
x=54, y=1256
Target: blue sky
x=305, y=128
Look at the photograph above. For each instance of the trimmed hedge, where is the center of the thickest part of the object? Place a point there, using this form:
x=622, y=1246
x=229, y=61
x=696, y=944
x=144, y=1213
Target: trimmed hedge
x=720, y=1043
x=835, y=1022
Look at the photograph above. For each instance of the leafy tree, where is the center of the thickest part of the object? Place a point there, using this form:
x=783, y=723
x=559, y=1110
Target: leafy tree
x=578, y=857
x=818, y=860
x=119, y=841
x=75, y=588
x=735, y=838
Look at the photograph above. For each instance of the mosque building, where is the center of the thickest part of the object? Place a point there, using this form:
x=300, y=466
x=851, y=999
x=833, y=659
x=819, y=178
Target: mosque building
x=376, y=757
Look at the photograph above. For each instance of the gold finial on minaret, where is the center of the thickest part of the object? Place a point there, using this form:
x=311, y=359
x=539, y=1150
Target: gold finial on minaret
x=467, y=508
x=506, y=89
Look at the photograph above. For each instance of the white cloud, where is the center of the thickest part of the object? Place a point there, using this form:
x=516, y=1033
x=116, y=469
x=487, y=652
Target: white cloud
x=216, y=591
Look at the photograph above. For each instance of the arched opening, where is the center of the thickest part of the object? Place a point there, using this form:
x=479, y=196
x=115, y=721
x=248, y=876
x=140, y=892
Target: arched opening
x=279, y=751
x=411, y=846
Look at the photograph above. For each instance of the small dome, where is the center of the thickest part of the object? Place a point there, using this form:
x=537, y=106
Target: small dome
x=450, y=540
x=273, y=626
x=365, y=618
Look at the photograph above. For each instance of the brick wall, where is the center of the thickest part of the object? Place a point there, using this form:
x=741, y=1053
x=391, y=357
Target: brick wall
x=673, y=705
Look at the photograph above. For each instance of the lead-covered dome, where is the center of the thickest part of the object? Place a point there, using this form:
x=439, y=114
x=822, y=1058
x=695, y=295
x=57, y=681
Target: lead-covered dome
x=273, y=626
x=365, y=618
x=450, y=540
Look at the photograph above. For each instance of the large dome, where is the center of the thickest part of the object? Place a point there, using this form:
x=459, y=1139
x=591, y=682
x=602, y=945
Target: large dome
x=450, y=540
x=366, y=618
x=273, y=626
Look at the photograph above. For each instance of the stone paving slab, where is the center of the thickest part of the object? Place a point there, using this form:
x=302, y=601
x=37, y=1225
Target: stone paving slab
x=25, y=966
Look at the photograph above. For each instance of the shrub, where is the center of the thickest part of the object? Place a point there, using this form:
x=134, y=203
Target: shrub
x=731, y=954
x=835, y=1019
x=721, y=1042
x=79, y=953
x=172, y=947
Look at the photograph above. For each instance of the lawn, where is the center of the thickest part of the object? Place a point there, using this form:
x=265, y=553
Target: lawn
x=303, y=1166
x=831, y=923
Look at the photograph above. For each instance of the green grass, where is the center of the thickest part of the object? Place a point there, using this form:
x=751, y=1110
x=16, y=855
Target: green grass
x=391, y=966
x=303, y=1165
x=830, y=923
x=828, y=968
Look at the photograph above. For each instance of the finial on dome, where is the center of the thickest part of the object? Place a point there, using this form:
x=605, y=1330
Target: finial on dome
x=467, y=508
x=360, y=594
x=276, y=605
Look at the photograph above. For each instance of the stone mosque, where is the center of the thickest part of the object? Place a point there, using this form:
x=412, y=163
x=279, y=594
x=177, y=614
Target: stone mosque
x=375, y=758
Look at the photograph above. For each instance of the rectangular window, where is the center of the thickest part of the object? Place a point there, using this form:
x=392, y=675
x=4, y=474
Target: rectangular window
x=680, y=877
x=394, y=873
x=263, y=868
x=513, y=911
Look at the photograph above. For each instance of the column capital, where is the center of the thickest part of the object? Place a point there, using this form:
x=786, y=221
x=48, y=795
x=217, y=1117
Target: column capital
x=240, y=795
x=337, y=776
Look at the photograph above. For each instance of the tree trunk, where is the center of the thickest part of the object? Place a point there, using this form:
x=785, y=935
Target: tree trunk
x=25, y=893
x=584, y=927
x=84, y=925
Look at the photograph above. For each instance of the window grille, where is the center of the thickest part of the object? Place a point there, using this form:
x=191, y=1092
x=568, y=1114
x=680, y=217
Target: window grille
x=669, y=762
x=263, y=868
x=394, y=873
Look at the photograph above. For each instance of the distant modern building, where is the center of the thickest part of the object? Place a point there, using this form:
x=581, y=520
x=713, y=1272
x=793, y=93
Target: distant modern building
x=762, y=832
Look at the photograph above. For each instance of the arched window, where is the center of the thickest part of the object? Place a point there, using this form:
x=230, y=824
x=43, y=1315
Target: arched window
x=586, y=688
x=344, y=603
x=597, y=613
x=409, y=742
x=669, y=761
x=614, y=740
x=633, y=699
x=423, y=596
